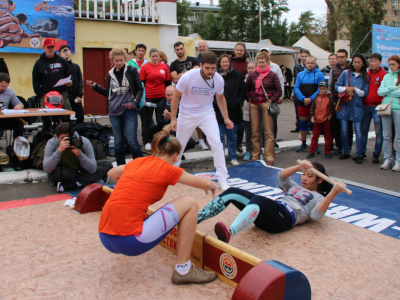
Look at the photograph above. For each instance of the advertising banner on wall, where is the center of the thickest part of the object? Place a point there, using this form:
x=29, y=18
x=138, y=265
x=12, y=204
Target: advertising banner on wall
x=24, y=24
x=385, y=41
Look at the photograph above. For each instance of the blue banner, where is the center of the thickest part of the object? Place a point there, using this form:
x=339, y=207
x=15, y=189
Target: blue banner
x=365, y=208
x=385, y=41
x=24, y=24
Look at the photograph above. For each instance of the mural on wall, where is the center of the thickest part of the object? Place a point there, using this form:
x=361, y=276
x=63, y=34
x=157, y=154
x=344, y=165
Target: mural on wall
x=24, y=24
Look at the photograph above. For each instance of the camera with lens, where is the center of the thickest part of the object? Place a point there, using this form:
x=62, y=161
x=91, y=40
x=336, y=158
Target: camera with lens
x=75, y=141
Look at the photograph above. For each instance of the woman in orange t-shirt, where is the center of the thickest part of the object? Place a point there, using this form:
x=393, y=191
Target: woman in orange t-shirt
x=124, y=228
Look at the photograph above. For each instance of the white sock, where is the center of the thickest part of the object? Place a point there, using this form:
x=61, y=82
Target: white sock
x=183, y=269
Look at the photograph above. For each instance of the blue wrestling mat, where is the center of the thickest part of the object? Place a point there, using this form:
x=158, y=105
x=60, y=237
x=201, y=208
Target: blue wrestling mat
x=365, y=208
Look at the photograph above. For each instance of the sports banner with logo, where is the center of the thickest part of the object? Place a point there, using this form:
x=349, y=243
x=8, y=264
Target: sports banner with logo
x=385, y=41
x=24, y=24
x=367, y=208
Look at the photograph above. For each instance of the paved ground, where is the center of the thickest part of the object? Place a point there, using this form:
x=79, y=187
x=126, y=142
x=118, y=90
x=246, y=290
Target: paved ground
x=200, y=160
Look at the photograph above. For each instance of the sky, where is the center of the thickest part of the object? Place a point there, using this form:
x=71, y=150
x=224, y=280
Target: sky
x=318, y=7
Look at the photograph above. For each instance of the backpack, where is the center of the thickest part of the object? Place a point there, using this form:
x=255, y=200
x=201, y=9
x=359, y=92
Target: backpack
x=39, y=143
x=37, y=155
x=99, y=149
x=41, y=136
x=92, y=130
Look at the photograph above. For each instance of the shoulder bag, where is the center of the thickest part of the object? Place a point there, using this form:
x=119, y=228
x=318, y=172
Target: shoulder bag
x=344, y=97
x=385, y=109
x=273, y=108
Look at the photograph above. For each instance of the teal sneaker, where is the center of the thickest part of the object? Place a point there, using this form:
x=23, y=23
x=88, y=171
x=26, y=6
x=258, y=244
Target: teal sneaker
x=247, y=156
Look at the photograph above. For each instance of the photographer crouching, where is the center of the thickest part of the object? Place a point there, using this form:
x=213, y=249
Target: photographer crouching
x=69, y=160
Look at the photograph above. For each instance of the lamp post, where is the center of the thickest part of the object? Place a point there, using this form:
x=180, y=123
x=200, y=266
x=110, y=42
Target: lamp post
x=259, y=15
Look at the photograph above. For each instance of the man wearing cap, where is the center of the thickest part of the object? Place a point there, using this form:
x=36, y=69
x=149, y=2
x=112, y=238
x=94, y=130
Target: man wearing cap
x=321, y=112
x=47, y=71
x=75, y=91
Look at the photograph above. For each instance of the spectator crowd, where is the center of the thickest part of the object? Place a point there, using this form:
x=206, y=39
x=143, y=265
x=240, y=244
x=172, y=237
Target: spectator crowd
x=229, y=95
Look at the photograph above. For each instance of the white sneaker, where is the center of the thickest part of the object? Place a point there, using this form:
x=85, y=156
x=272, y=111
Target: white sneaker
x=147, y=147
x=396, y=168
x=203, y=145
x=386, y=165
x=223, y=185
x=234, y=162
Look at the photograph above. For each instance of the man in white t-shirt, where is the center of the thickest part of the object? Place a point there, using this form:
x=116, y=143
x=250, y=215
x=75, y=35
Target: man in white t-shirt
x=197, y=88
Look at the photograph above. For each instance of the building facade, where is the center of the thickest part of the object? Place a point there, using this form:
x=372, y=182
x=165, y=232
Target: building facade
x=392, y=16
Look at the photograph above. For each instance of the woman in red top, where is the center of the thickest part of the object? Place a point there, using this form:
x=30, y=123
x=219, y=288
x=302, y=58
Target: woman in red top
x=124, y=228
x=155, y=76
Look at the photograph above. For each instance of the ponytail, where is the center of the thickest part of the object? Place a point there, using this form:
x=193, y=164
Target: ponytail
x=165, y=143
x=324, y=187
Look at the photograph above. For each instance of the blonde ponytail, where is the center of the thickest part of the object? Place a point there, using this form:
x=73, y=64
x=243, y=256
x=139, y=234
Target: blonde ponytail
x=165, y=143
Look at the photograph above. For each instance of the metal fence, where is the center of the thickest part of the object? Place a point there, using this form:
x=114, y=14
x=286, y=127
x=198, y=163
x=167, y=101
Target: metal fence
x=135, y=11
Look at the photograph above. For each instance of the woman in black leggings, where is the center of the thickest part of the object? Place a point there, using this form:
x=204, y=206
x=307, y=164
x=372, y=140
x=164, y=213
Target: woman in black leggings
x=310, y=200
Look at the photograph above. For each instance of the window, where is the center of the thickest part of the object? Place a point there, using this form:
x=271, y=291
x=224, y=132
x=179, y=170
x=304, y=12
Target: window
x=396, y=13
x=395, y=2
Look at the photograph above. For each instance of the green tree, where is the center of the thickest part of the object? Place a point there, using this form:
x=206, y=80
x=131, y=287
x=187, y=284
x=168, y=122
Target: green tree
x=306, y=25
x=359, y=20
x=207, y=25
x=182, y=16
x=277, y=32
x=239, y=21
x=271, y=24
x=227, y=19
x=353, y=21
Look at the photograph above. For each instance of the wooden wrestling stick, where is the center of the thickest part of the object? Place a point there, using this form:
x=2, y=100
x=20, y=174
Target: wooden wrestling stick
x=324, y=177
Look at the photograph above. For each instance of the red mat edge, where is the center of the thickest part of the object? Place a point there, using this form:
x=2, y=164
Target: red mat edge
x=35, y=201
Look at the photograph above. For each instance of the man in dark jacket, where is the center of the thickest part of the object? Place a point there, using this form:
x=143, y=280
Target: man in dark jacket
x=288, y=76
x=47, y=71
x=75, y=91
x=342, y=64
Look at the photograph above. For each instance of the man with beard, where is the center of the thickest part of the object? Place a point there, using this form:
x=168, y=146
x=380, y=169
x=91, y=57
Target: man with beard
x=7, y=97
x=182, y=64
x=196, y=89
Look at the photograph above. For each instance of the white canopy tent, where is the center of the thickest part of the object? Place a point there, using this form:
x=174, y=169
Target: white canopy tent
x=320, y=54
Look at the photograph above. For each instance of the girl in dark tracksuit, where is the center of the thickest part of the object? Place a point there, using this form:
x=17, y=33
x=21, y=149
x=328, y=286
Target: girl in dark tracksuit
x=310, y=200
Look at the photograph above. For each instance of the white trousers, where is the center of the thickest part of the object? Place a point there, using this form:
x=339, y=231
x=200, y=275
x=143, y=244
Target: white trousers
x=207, y=122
